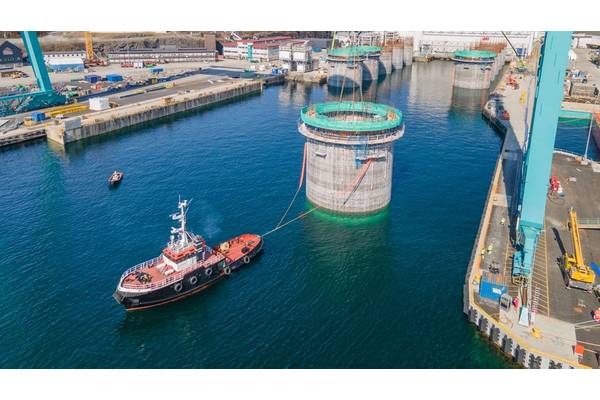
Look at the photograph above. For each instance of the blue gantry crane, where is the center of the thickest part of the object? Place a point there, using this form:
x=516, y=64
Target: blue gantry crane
x=45, y=96
x=539, y=149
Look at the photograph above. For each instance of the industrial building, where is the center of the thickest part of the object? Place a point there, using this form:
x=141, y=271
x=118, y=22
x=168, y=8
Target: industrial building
x=296, y=56
x=10, y=55
x=54, y=55
x=265, y=49
x=66, y=64
x=162, y=55
x=349, y=155
x=447, y=42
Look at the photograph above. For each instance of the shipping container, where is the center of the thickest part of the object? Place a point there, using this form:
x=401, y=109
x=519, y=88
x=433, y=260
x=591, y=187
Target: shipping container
x=38, y=116
x=114, y=77
x=92, y=78
x=491, y=290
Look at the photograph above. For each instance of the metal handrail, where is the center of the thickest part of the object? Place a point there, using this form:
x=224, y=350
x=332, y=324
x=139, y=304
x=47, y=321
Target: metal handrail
x=141, y=265
x=177, y=276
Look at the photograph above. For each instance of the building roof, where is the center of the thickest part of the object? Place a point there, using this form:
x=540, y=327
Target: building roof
x=265, y=46
x=65, y=60
x=162, y=51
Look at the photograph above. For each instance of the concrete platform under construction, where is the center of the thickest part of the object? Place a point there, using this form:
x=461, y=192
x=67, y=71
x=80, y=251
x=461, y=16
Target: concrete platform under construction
x=349, y=155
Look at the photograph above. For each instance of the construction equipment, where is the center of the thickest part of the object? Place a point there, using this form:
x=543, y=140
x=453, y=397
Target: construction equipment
x=537, y=163
x=46, y=96
x=91, y=58
x=89, y=46
x=577, y=274
x=66, y=109
x=538, y=157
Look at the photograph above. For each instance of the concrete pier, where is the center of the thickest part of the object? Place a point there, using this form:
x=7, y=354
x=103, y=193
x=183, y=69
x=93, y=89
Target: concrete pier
x=102, y=122
x=550, y=341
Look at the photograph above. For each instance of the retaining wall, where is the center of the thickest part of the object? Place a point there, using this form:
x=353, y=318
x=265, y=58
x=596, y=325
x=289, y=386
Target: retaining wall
x=123, y=117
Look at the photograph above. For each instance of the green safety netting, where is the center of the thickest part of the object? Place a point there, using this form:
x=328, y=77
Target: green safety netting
x=383, y=116
x=474, y=54
x=354, y=51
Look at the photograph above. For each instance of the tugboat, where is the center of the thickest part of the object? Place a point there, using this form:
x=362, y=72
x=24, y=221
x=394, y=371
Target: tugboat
x=186, y=266
x=115, y=178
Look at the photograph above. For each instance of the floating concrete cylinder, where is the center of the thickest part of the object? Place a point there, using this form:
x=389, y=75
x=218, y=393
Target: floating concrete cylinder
x=397, y=57
x=473, y=69
x=350, y=66
x=349, y=155
x=342, y=74
x=370, y=68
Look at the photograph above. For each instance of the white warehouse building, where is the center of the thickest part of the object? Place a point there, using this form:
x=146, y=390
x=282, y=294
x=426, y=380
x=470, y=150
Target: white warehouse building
x=444, y=42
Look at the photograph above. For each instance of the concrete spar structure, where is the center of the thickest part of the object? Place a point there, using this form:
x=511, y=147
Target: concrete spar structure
x=349, y=154
x=473, y=69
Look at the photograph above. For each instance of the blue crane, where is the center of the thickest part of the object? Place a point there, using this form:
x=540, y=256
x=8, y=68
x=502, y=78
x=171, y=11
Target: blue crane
x=540, y=146
x=45, y=96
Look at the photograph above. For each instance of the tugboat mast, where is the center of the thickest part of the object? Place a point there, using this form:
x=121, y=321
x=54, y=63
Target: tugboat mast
x=182, y=235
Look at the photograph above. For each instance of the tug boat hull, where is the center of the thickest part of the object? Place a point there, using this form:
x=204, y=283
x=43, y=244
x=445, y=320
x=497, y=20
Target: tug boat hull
x=192, y=282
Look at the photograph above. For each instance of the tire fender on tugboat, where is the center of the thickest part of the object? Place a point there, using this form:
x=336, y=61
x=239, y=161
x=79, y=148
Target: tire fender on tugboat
x=193, y=280
x=178, y=286
x=208, y=271
x=227, y=270
x=246, y=259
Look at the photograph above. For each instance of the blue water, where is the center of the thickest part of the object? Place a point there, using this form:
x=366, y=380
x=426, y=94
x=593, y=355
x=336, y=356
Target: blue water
x=383, y=291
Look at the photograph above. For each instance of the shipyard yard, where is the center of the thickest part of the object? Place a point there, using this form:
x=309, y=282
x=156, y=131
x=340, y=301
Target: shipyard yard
x=402, y=163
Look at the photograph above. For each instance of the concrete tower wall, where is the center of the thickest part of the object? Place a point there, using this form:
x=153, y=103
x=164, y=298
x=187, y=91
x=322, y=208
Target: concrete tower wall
x=397, y=57
x=472, y=76
x=344, y=74
x=370, y=69
x=332, y=169
x=385, y=64
x=408, y=55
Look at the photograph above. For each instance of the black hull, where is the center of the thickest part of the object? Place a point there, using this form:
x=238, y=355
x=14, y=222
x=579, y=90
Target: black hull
x=167, y=294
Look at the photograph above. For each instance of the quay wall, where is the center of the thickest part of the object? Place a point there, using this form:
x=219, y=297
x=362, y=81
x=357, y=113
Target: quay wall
x=78, y=128
x=499, y=334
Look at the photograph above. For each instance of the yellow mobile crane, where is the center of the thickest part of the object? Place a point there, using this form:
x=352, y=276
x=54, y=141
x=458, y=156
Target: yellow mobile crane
x=577, y=274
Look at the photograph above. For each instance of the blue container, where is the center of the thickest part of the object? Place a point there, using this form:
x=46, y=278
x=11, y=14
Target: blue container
x=114, y=78
x=491, y=290
x=92, y=78
x=38, y=116
x=156, y=70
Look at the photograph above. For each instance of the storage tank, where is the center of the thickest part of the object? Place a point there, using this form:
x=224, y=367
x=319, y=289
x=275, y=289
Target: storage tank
x=349, y=155
x=473, y=69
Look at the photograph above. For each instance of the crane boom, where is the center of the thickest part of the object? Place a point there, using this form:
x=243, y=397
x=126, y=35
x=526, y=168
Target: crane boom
x=89, y=46
x=540, y=146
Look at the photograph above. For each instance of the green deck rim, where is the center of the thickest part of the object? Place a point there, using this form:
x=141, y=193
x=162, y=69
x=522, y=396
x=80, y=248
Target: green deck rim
x=474, y=54
x=389, y=117
x=354, y=51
